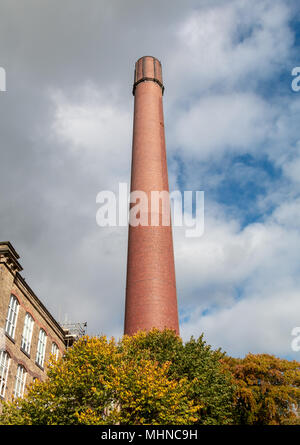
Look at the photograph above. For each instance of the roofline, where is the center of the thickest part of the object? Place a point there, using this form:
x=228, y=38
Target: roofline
x=11, y=247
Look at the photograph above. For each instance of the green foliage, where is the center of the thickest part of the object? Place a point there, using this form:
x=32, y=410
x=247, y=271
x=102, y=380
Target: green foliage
x=155, y=379
x=210, y=385
x=68, y=389
x=268, y=390
x=97, y=383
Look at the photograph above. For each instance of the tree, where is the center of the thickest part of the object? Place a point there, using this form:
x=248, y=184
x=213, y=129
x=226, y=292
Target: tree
x=97, y=382
x=268, y=389
x=210, y=384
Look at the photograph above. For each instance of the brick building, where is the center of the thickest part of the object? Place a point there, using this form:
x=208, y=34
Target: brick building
x=28, y=332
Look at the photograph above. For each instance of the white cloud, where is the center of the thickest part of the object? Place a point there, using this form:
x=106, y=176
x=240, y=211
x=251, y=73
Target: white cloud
x=256, y=324
x=230, y=44
x=96, y=129
x=221, y=123
x=248, y=281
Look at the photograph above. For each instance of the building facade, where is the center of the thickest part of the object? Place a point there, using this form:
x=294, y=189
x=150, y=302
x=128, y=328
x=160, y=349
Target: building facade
x=28, y=332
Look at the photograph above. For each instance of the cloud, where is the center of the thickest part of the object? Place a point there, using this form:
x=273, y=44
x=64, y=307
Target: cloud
x=95, y=128
x=257, y=325
x=243, y=283
x=230, y=45
x=236, y=122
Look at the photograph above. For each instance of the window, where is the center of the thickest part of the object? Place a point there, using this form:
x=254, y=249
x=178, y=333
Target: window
x=27, y=333
x=4, y=367
x=55, y=350
x=20, y=381
x=12, y=316
x=41, y=348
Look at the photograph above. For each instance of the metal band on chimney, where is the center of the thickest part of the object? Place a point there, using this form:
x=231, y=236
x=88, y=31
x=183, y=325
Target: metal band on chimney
x=151, y=79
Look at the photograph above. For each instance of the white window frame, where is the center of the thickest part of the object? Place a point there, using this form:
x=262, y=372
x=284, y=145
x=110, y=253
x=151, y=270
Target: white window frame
x=55, y=350
x=20, y=381
x=4, y=368
x=41, y=348
x=12, y=316
x=27, y=333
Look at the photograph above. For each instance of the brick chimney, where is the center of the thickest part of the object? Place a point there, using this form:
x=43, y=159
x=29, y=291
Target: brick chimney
x=151, y=299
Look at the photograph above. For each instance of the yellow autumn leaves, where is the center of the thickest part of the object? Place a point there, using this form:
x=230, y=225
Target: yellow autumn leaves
x=154, y=378
x=97, y=383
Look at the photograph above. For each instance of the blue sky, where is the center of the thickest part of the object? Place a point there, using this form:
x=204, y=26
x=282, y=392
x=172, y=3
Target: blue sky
x=232, y=130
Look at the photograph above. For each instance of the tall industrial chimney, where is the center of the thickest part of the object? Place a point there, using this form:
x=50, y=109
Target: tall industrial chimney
x=151, y=299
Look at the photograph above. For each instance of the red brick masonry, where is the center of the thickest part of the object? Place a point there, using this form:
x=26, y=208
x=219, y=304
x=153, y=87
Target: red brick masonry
x=151, y=299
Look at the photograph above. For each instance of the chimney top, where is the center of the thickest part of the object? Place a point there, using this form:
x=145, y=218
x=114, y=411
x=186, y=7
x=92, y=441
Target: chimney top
x=148, y=68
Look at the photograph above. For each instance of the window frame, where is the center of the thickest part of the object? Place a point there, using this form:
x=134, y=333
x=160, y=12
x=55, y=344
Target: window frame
x=20, y=381
x=56, y=352
x=27, y=333
x=4, y=369
x=41, y=348
x=12, y=316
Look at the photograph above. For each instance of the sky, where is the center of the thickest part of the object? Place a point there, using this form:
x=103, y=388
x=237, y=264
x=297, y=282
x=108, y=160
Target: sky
x=232, y=131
